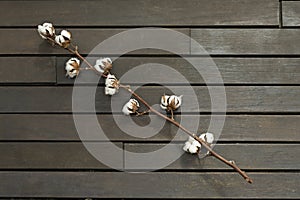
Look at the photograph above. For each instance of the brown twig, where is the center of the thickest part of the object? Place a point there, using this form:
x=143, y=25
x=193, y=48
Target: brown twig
x=171, y=120
x=212, y=152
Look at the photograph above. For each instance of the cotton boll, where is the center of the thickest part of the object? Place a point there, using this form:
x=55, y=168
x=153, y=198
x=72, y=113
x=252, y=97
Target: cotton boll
x=72, y=67
x=191, y=139
x=208, y=137
x=110, y=91
x=172, y=102
x=196, y=143
x=66, y=34
x=175, y=101
x=59, y=39
x=193, y=149
x=112, y=84
x=72, y=73
x=64, y=39
x=131, y=107
x=103, y=65
x=46, y=30
x=110, y=80
x=73, y=61
x=164, y=102
x=192, y=146
x=186, y=146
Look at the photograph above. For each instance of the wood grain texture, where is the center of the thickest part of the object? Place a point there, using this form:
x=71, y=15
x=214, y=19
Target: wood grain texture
x=151, y=185
x=27, y=70
x=246, y=41
x=291, y=13
x=233, y=70
x=28, y=41
x=214, y=41
x=137, y=13
x=264, y=156
x=59, y=155
x=239, y=99
x=73, y=155
x=35, y=127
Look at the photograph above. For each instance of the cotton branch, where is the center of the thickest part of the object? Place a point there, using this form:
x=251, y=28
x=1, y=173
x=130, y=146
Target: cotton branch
x=151, y=109
x=212, y=152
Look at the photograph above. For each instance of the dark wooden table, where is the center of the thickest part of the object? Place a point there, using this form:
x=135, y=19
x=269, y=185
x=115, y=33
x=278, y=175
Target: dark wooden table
x=254, y=43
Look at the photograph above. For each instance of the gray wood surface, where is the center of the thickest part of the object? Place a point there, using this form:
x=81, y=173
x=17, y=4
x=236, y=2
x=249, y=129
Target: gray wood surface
x=40, y=127
x=233, y=70
x=291, y=13
x=73, y=155
x=247, y=41
x=58, y=155
x=151, y=185
x=239, y=99
x=254, y=44
x=140, y=13
x=27, y=70
x=268, y=156
x=28, y=41
x=214, y=41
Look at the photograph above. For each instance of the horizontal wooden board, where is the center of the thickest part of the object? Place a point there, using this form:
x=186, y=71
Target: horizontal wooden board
x=137, y=13
x=73, y=155
x=233, y=70
x=148, y=185
x=214, y=41
x=39, y=127
x=246, y=156
x=59, y=155
x=27, y=70
x=28, y=41
x=246, y=41
x=291, y=13
x=239, y=99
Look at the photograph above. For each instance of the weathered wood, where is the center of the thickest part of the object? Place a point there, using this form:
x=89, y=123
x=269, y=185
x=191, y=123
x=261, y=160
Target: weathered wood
x=24, y=127
x=247, y=41
x=137, y=13
x=214, y=41
x=59, y=155
x=239, y=99
x=246, y=156
x=151, y=185
x=28, y=41
x=73, y=155
x=291, y=13
x=233, y=70
x=27, y=70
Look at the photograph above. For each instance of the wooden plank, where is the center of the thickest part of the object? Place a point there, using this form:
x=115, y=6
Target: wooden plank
x=36, y=127
x=28, y=41
x=59, y=155
x=247, y=156
x=27, y=70
x=148, y=185
x=239, y=99
x=137, y=13
x=214, y=41
x=250, y=127
x=246, y=41
x=73, y=155
x=233, y=70
x=291, y=13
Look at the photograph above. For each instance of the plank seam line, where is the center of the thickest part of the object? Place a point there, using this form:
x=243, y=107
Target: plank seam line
x=93, y=27
x=280, y=14
x=286, y=113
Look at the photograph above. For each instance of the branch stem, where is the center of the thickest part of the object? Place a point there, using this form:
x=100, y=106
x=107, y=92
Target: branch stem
x=212, y=152
x=151, y=109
